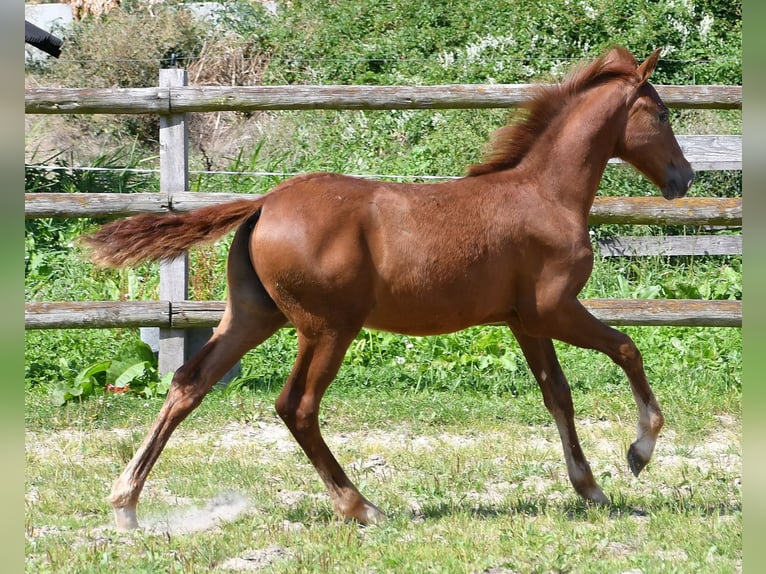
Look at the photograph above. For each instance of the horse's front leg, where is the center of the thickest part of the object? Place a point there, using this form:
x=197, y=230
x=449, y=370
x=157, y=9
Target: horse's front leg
x=542, y=360
x=572, y=323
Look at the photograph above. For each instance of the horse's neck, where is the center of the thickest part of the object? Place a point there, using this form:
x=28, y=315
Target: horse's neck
x=573, y=154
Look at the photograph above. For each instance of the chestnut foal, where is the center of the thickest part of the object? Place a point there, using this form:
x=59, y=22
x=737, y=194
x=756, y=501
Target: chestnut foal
x=508, y=244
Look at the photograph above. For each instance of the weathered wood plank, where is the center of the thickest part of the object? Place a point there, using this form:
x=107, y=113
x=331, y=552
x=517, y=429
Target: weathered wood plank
x=671, y=245
x=301, y=97
x=66, y=205
x=667, y=312
x=192, y=314
x=96, y=314
x=659, y=211
x=194, y=200
x=701, y=97
x=453, y=96
x=97, y=100
x=189, y=314
x=710, y=152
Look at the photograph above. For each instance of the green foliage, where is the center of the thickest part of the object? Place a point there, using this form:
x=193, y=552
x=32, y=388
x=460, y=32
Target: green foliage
x=667, y=278
x=409, y=43
x=484, y=41
x=242, y=19
x=82, y=385
x=134, y=371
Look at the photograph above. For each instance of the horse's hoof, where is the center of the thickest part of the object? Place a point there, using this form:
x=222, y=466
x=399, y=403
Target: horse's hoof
x=594, y=495
x=598, y=497
x=370, y=515
x=635, y=461
x=125, y=518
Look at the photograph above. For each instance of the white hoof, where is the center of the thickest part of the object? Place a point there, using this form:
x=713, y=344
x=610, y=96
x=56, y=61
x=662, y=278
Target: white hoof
x=125, y=518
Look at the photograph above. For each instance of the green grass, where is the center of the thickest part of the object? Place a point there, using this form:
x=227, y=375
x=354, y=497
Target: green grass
x=470, y=482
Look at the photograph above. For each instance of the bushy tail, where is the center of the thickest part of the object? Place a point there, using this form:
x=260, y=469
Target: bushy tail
x=149, y=237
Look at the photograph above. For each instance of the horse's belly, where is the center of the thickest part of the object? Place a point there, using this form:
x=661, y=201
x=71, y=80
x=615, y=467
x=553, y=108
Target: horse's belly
x=431, y=316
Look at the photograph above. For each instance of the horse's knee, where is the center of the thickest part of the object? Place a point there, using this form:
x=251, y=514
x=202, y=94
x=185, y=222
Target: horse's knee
x=283, y=409
x=628, y=350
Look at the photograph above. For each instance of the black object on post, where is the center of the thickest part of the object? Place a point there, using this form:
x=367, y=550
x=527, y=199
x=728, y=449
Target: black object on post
x=41, y=39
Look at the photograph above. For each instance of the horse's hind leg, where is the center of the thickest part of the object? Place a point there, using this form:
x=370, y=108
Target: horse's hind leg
x=249, y=319
x=189, y=386
x=319, y=358
x=541, y=357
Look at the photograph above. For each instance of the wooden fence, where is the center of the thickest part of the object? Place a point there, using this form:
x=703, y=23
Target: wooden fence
x=173, y=99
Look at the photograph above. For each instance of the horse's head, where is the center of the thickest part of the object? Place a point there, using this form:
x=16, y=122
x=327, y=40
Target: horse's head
x=648, y=142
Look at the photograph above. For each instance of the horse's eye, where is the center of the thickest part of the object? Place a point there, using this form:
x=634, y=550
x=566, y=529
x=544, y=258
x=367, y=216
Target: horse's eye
x=664, y=117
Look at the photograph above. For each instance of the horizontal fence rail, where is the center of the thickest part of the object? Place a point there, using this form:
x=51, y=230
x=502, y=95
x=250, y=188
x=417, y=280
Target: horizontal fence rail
x=304, y=97
x=704, y=152
x=191, y=314
x=671, y=245
x=620, y=210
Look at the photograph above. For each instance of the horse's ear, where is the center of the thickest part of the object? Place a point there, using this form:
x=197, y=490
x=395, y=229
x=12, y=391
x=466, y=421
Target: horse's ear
x=647, y=66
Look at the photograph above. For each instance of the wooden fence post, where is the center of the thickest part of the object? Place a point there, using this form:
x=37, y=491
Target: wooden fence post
x=174, y=178
x=175, y=346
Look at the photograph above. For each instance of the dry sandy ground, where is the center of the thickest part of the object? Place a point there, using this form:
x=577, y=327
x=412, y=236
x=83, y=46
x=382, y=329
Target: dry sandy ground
x=602, y=441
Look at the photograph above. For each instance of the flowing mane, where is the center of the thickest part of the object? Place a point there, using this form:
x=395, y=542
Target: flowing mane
x=511, y=143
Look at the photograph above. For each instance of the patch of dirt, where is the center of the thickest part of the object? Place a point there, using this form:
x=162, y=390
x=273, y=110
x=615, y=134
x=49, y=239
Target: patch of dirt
x=254, y=560
x=273, y=436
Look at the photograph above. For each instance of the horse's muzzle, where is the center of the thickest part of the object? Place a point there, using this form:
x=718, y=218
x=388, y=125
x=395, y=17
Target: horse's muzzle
x=678, y=182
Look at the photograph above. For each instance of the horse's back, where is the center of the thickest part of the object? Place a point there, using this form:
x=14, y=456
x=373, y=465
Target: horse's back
x=413, y=258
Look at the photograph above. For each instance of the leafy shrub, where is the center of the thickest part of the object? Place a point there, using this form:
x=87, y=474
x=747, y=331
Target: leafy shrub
x=383, y=41
x=135, y=371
